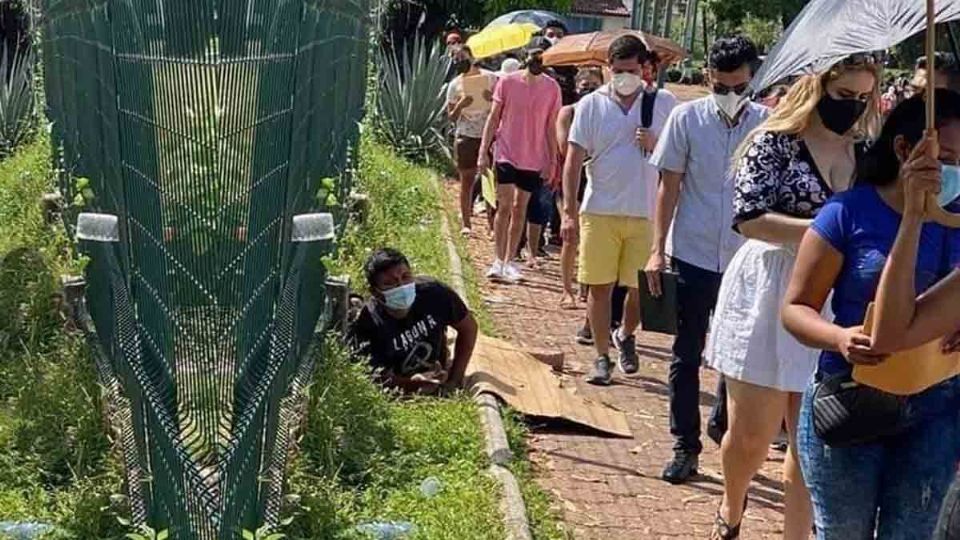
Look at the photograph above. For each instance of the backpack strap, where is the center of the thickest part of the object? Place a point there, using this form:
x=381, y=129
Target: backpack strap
x=646, y=108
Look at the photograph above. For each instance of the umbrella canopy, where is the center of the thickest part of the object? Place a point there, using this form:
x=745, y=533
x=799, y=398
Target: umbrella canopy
x=499, y=39
x=826, y=31
x=591, y=48
x=538, y=17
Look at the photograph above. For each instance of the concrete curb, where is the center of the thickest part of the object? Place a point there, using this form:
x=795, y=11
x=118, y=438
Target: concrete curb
x=498, y=448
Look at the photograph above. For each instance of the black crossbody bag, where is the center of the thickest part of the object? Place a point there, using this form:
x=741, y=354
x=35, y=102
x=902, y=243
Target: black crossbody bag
x=847, y=413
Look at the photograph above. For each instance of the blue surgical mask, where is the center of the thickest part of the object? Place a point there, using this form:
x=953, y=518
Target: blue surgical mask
x=400, y=298
x=949, y=184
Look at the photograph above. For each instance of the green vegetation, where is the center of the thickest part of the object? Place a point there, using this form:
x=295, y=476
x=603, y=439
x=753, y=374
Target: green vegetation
x=55, y=463
x=544, y=518
x=409, y=102
x=364, y=453
x=404, y=212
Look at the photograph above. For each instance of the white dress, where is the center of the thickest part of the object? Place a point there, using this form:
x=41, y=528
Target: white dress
x=747, y=342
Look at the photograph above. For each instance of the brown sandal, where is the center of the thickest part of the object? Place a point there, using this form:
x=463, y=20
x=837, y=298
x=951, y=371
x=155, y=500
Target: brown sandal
x=722, y=530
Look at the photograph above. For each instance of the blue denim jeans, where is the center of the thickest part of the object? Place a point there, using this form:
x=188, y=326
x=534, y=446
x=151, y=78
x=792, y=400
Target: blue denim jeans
x=891, y=490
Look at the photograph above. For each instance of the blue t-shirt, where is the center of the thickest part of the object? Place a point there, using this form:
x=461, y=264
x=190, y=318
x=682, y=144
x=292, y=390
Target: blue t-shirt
x=862, y=227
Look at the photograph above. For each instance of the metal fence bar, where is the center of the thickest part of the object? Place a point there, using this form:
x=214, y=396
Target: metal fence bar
x=205, y=127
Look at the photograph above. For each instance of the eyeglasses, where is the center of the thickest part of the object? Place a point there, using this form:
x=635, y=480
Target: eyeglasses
x=865, y=58
x=722, y=89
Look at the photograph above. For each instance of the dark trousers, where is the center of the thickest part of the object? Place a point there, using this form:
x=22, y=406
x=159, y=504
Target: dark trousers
x=696, y=297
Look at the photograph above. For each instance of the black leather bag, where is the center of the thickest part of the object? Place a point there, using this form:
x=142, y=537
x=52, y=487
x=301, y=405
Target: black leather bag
x=847, y=413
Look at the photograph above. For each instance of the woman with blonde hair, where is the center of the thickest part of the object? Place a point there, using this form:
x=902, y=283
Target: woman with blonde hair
x=784, y=173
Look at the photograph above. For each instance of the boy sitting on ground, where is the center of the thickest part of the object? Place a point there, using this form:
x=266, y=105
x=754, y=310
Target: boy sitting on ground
x=403, y=327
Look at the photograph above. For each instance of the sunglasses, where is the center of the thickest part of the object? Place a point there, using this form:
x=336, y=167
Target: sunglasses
x=722, y=89
x=861, y=59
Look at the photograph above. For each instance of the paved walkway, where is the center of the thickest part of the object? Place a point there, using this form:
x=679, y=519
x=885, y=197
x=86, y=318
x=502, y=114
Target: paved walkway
x=610, y=488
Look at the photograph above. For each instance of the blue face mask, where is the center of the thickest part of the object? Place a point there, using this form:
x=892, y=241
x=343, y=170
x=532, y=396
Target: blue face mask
x=400, y=298
x=949, y=184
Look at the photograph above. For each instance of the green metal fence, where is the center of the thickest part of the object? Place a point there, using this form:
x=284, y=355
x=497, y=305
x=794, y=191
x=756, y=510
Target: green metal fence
x=203, y=129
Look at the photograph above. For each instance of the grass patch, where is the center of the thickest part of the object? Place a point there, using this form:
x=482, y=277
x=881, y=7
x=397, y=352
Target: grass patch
x=404, y=213
x=55, y=463
x=544, y=516
x=365, y=453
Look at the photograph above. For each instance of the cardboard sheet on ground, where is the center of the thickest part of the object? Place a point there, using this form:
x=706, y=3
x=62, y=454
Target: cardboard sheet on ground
x=910, y=372
x=530, y=386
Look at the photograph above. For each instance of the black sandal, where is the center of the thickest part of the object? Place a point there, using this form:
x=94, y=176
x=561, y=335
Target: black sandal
x=722, y=530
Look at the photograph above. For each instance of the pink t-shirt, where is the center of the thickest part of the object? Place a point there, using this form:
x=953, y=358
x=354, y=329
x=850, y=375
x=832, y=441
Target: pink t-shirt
x=527, y=121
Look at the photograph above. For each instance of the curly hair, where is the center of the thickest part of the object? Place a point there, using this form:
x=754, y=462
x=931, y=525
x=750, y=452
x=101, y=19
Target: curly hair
x=731, y=53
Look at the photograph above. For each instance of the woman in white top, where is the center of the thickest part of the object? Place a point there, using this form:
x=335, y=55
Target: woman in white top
x=785, y=172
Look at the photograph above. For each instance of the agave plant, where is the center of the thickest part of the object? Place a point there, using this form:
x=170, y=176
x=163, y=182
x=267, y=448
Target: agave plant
x=16, y=97
x=410, y=103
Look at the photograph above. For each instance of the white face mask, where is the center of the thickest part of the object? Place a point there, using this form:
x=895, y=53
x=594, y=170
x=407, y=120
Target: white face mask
x=731, y=104
x=553, y=39
x=626, y=84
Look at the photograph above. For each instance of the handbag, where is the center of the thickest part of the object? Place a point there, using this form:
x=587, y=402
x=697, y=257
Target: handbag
x=847, y=413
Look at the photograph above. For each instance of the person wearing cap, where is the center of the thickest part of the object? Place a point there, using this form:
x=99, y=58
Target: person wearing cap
x=508, y=66
x=522, y=120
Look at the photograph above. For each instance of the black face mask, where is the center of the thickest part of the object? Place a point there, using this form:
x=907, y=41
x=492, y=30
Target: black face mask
x=462, y=66
x=584, y=92
x=535, y=65
x=839, y=115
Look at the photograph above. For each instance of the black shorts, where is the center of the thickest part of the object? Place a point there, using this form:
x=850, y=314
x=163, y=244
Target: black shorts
x=541, y=206
x=466, y=150
x=583, y=185
x=527, y=181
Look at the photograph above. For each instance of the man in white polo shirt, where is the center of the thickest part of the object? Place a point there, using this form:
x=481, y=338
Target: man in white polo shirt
x=616, y=127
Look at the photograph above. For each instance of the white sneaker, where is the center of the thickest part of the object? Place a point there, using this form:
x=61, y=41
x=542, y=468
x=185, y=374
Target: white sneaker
x=496, y=270
x=511, y=273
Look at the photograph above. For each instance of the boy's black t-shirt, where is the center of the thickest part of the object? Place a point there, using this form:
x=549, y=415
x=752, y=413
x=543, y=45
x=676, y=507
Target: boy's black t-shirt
x=415, y=343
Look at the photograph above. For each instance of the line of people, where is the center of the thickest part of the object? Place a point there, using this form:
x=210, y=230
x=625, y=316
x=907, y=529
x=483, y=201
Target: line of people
x=748, y=209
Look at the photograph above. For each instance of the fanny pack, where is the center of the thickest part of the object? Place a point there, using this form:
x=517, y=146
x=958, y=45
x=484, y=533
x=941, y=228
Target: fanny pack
x=847, y=413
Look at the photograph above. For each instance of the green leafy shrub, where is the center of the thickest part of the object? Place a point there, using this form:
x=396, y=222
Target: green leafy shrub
x=410, y=104
x=17, y=99
x=55, y=462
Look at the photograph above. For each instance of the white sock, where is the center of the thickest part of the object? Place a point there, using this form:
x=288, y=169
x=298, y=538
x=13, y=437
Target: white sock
x=621, y=335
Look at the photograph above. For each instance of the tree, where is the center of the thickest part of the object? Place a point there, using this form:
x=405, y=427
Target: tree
x=731, y=14
x=494, y=8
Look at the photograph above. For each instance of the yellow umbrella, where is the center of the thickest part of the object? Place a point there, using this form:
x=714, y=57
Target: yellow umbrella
x=500, y=39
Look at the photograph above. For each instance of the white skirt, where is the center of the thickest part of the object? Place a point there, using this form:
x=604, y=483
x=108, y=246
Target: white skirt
x=747, y=342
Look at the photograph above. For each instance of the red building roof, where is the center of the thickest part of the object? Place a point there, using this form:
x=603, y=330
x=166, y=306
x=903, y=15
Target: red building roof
x=609, y=8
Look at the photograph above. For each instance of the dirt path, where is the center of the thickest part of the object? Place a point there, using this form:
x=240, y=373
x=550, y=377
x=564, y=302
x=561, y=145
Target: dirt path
x=610, y=488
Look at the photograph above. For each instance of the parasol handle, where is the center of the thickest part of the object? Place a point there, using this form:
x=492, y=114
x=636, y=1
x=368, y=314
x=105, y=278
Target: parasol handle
x=931, y=46
x=933, y=210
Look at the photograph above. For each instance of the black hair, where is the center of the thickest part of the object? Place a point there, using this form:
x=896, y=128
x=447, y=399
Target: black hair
x=627, y=47
x=461, y=48
x=880, y=166
x=588, y=72
x=381, y=261
x=536, y=44
x=731, y=53
x=554, y=23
